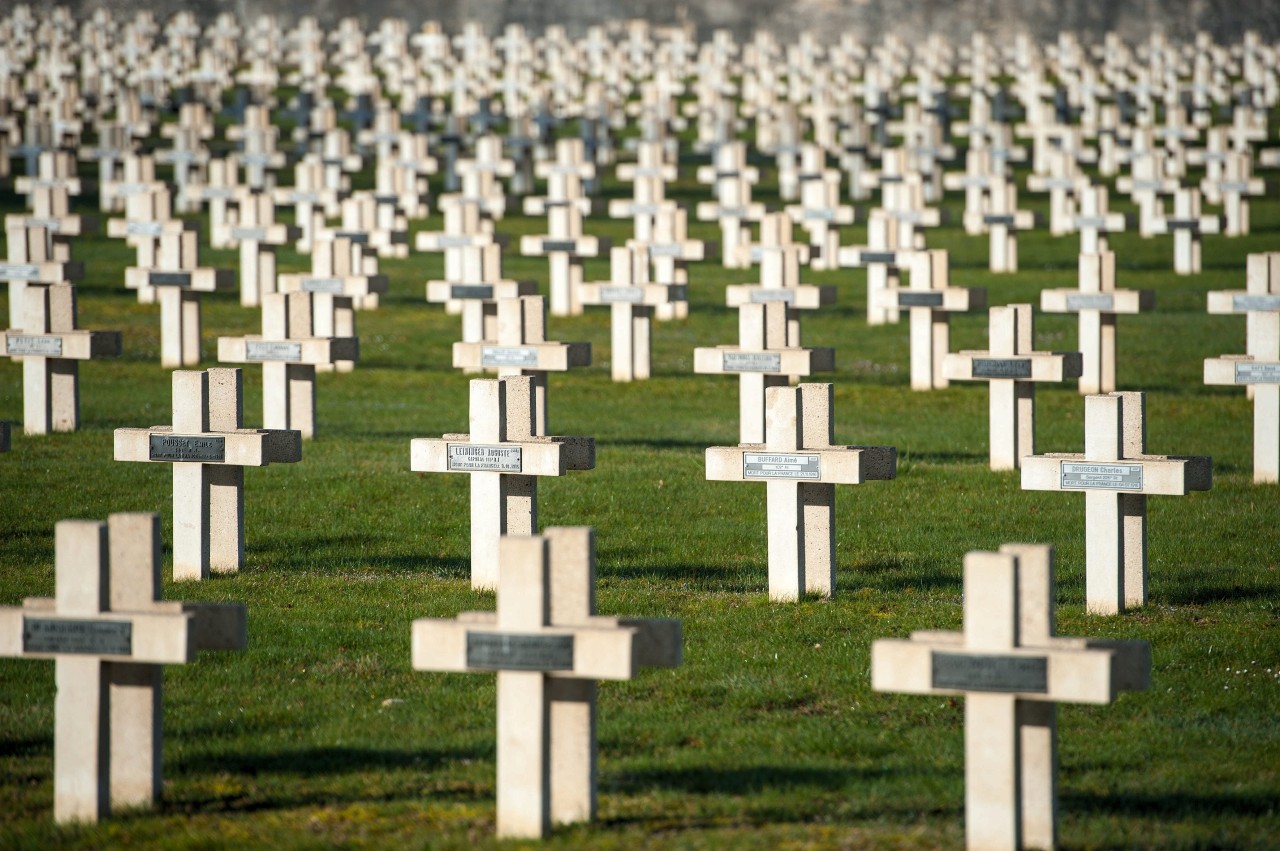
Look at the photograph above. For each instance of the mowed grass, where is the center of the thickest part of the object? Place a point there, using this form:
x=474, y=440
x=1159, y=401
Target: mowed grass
x=769, y=734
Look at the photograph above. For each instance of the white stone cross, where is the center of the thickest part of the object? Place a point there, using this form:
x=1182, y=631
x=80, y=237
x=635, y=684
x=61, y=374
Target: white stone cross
x=1234, y=188
x=177, y=282
x=732, y=180
x=1259, y=369
x=929, y=301
x=110, y=633
x=1116, y=474
x=306, y=195
x=548, y=647
x=257, y=234
x=520, y=347
x=30, y=261
x=289, y=350
x=800, y=468
x=1012, y=367
x=1064, y=182
x=632, y=298
x=1098, y=302
x=780, y=257
x=882, y=258
x=1095, y=221
x=148, y=215
x=975, y=180
x=1187, y=224
x=209, y=448
x=764, y=357
x=342, y=280
x=820, y=212
x=504, y=457
x=464, y=226
x=564, y=247
x=477, y=289
x=1002, y=221
x=1012, y=671
x=1146, y=184
x=50, y=349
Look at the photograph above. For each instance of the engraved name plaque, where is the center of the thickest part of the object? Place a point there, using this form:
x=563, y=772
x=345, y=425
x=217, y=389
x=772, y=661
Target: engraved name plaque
x=182, y=447
x=475, y=457
x=878, y=257
x=258, y=234
x=36, y=345
x=976, y=672
x=759, y=296
x=272, y=350
x=752, y=362
x=471, y=291
x=508, y=356
x=820, y=215
x=773, y=466
x=1001, y=368
x=1111, y=477
x=453, y=241
x=1255, y=302
x=559, y=245
x=907, y=298
x=625, y=295
x=65, y=635
x=670, y=249
x=144, y=228
x=329, y=286
x=998, y=220
x=358, y=237
x=19, y=271
x=1091, y=301
x=169, y=279
x=1251, y=372
x=517, y=652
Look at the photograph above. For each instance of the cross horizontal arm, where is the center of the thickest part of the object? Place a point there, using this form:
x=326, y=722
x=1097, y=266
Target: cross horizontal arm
x=1168, y=475
x=311, y=350
x=532, y=456
x=732, y=360
x=240, y=448
x=597, y=654
x=841, y=465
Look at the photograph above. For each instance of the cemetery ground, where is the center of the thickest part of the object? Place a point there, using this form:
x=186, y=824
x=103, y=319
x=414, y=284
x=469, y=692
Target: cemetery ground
x=769, y=734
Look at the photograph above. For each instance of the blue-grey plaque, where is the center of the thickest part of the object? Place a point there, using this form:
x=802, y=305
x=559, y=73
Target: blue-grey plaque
x=982, y=672
x=1091, y=301
x=260, y=351
x=1001, y=368
x=878, y=256
x=69, y=635
x=34, y=345
x=772, y=465
x=471, y=291
x=919, y=298
x=766, y=296
x=559, y=245
x=619, y=294
x=522, y=356
x=752, y=362
x=478, y=458
x=1241, y=303
x=1110, y=477
x=169, y=279
x=328, y=286
x=183, y=447
x=1252, y=372
x=491, y=651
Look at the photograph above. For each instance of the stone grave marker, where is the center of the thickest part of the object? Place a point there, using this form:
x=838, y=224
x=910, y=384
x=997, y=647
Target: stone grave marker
x=1258, y=370
x=148, y=215
x=504, y=457
x=478, y=289
x=257, y=233
x=548, y=647
x=520, y=347
x=110, y=633
x=930, y=300
x=209, y=447
x=1012, y=368
x=289, y=350
x=30, y=263
x=731, y=180
x=631, y=298
x=1116, y=474
x=670, y=251
x=883, y=259
x=764, y=357
x=306, y=195
x=340, y=282
x=1234, y=188
x=564, y=246
x=1095, y=221
x=50, y=348
x=1002, y=221
x=975, y=181
x=1097, y=302
x=800, y=468
x=1187, y=224
x=1013, y=671
x=177, y=282
x=223, y=193
x=820, y=212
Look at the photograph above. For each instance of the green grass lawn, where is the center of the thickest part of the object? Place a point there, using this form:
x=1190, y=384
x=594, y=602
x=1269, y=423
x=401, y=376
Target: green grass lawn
x=769, y=734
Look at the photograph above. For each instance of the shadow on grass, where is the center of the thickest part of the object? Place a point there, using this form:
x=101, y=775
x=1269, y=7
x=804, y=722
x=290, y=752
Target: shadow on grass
x=332, y=554
x=740, y=781
x=1201, y=592
x=1173, y=806
x=918, y=457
